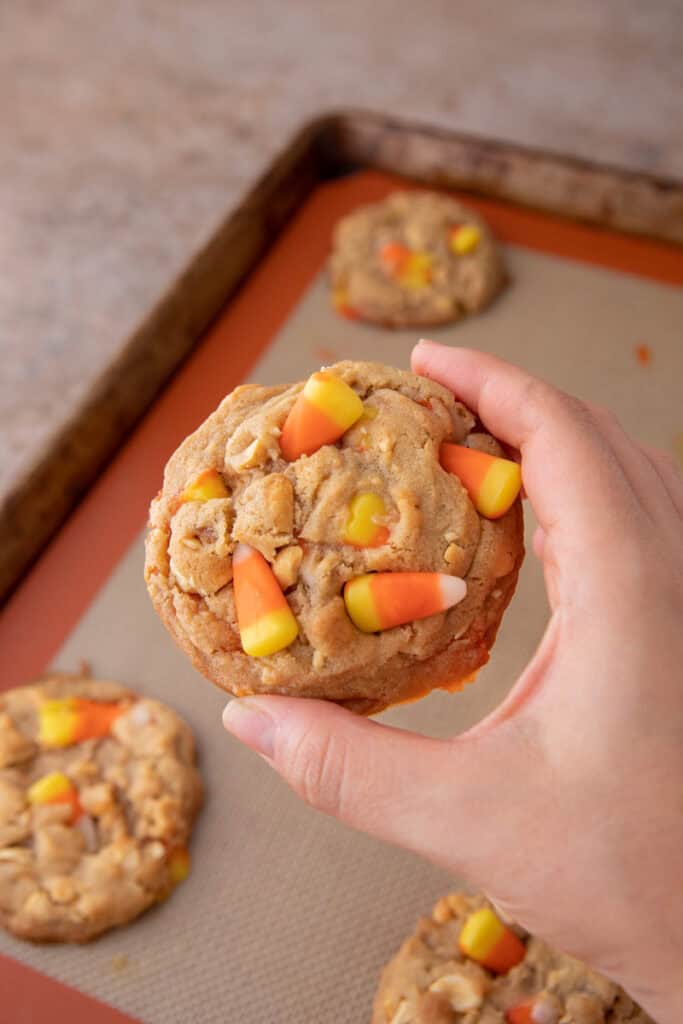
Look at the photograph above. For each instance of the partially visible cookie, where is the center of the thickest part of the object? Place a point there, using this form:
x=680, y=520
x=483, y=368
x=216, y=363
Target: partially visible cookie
x=98, y=793
x=413, y=260
x=430, y=980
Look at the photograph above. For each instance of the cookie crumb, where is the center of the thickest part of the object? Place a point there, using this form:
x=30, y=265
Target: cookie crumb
x=119, y=963
x=643, y=354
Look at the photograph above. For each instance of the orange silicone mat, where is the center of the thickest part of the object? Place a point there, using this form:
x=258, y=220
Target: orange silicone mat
x=288, y=916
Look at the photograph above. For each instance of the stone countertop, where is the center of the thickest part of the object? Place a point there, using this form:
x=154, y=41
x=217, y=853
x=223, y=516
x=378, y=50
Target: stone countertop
x=130, y=129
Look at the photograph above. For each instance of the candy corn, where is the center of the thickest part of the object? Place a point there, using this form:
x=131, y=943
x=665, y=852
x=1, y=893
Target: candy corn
x=464, y=238
x=383, y=600
x=56, y=788
x=492, y=944
x=266, y=622
x=207, y=485
x=491, y=482
x=394, y=258
x=521, y=1014
x=325, y=410
x=179, y=864
x=68, y=720
x=411, y=267
x=364, y=527
x=418, y=271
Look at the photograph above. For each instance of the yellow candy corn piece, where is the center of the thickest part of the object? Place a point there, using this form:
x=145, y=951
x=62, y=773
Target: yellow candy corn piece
x=51, y=787
x=56, y=788
x=67, y=720
x=266, y=622
x=58, y=720
x=417, y=272
x=491, y=482
x=364, y=527
x=491, y=943
x=464, y=239
x=207, y=485
x=325, y=410
x=382, y=600
x=334, y=398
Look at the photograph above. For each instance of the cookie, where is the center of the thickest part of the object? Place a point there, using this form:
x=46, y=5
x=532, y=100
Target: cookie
x=413, y=260
x=98, y=792
x=309, y=523
x=431, y=981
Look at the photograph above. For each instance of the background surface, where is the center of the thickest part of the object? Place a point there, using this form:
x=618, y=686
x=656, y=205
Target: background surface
x=130, y=129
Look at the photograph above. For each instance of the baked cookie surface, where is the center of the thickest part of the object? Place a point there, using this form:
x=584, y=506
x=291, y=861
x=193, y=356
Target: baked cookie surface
x=431, y=981
x=98, y=792
x=229, y=484
x=414, y=259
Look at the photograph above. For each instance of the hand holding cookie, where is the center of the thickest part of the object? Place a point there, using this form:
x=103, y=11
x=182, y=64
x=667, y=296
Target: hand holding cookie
x=564, y=804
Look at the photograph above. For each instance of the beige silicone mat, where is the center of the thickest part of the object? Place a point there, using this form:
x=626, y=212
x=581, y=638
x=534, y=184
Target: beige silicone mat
x=288, y=916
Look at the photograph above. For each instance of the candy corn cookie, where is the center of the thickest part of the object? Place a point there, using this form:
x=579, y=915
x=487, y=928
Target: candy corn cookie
x=414, y=259
x=98, y=792
x=464, y=963
x=318, y=540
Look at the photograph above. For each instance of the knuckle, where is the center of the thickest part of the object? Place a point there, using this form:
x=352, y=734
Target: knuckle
x=317, y=773
x=544, y=401
x=604, y=417
x=535, y=395
x=576, y=409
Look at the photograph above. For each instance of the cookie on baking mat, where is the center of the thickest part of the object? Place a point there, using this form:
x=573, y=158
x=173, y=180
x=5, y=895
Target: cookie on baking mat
x=98, y=792
x=465, y=964
x=350, y=537
x=414, y=259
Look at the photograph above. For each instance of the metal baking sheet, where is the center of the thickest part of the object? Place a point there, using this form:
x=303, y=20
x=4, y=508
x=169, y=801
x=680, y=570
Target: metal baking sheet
x=287, y=915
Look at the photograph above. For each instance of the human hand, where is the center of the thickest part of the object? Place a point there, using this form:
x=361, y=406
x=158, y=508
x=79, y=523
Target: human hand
x=566, y=803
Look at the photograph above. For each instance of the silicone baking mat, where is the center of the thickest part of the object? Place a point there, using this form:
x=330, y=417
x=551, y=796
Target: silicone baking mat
x=288, y=916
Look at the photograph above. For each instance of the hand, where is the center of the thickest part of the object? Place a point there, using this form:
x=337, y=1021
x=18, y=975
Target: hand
x=566, y=803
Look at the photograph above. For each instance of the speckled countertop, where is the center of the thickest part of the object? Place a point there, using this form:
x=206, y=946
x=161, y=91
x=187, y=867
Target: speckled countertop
x=130, y=129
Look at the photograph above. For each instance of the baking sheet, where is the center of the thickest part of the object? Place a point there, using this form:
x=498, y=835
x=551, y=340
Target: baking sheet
x=288, y=916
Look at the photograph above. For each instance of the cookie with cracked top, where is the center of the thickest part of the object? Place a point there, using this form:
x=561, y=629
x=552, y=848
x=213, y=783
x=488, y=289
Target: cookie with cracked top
x=432, y=981
x=276, y=529
x=414, y=259
x=98, y=792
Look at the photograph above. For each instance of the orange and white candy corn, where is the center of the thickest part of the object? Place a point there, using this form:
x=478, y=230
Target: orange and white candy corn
x=266, y=622
x=491, y=943
x=410, y=267
x=394, y=257
x=56, y=788
x=179, y=864
x=68, y=720
x=382, y=600
x=364, y=526
x=491, y=482
x=324, y=410
x=207, y=485
x=464, y=238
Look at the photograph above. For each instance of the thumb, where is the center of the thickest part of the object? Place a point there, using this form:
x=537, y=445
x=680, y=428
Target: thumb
x=420, y=793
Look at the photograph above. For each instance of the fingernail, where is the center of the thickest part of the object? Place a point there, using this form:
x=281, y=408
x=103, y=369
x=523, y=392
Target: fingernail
x=250, y=724
x=425, y=341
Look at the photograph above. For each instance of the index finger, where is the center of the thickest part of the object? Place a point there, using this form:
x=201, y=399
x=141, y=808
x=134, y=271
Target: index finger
x=571, y=474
